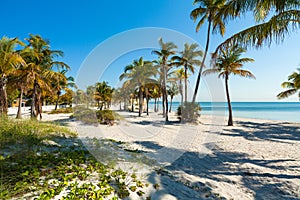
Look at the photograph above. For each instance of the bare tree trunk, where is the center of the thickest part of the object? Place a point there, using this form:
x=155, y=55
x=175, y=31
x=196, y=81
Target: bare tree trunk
x=185, y=83
x=171, y=104
x=140, y=101
x=32, y=112
x=19, y=113
x=56, y=104
x=230, y=120
x=202, y=63
x=3, y=97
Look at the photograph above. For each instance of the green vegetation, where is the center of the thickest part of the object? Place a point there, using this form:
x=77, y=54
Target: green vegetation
x=31, y=68
x=189, y=112
x=42, y=161
x=292, y=85
x=62, y=110
x=90, y=116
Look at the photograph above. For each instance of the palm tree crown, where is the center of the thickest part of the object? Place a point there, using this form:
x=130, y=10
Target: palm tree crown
x=292, y=85
x=228, y=63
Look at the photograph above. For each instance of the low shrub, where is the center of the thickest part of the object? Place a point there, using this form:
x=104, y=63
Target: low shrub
x=107, y=116
x=189, y=112
x=62, y=110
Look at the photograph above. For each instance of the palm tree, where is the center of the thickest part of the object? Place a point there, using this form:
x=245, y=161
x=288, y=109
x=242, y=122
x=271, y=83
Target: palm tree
x=166, y=49
x=188, y=59
x=227, y=63
x=40, y=60
x=138, y=74
x=61, y=82
x=275, y=19
x=211, y=11
x=179, y=76
x=103, y=94
x=293, y=85
x=10, y=60
x=172, y=91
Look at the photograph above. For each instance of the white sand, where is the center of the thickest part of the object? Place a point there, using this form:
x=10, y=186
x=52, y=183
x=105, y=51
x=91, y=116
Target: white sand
x=254, y=159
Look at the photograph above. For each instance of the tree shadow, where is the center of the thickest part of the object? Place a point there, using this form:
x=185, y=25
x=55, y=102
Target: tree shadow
x=277, y=131
x=234, y=169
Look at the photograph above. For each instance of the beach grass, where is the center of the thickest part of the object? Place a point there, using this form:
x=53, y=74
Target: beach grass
x=43, y=160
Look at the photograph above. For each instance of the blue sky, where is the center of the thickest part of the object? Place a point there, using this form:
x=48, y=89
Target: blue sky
x=77, y=27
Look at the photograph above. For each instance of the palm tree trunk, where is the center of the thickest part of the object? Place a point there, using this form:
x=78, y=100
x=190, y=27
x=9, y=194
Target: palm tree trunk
x=140, y=101
x=19, y=113
x=155, y=100
x=180, y=90
x=163, y=102
x=202, y=63
x=3, y=97
x=230, y=121
x=56, y=104
x=167, y=108
x=171, y=104
x=185, y=83
x=32, y=111
x=147, y=100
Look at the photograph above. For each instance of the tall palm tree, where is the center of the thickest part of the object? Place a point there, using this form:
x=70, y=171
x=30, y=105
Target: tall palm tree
x=211, y=11
x=40, y=60
x=189, y=58
x=275, y=18
x=227, y=63
x=292, y=85
x=10, y=60
x=167, y=49
x=138, y=74
x=172, y=91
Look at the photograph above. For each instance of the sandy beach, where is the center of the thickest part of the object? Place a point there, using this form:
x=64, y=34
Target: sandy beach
x=254, y=159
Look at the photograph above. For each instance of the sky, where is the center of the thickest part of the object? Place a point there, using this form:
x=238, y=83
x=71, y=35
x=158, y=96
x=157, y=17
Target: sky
x=81, y=28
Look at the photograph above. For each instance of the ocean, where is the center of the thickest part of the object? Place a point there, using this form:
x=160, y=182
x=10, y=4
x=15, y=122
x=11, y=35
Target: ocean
x=283, y=111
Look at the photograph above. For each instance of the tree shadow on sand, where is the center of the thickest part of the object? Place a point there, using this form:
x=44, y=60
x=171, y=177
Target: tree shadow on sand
x=277, y=131
x=227, y=168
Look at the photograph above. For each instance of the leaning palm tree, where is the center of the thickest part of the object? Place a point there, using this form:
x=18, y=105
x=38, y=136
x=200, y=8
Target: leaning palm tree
x=166, y=50
x=227, y=63
x=138, y=74
x=275, y=19
x=10, y=60
x=211, y=11
x=189, y=58
x=292, y=85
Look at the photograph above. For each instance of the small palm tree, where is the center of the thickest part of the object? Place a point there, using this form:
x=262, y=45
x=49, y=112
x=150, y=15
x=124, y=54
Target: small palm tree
x=211, y=11
x=189, y=58
x=172, y=91
x=138, y=74
x=293, y=85
x=167, y=49
x=227, y=63
x=61, y=82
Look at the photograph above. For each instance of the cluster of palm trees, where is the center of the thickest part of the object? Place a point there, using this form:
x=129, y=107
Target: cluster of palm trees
x=162, y=77
x=30, y=68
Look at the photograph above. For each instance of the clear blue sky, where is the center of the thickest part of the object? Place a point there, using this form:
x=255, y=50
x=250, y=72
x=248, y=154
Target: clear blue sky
x=77, y=27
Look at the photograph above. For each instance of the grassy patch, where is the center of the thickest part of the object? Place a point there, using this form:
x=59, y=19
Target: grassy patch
x=62, y=166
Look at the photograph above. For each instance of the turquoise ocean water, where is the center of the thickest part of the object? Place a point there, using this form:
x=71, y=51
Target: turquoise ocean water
x=283, y=111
